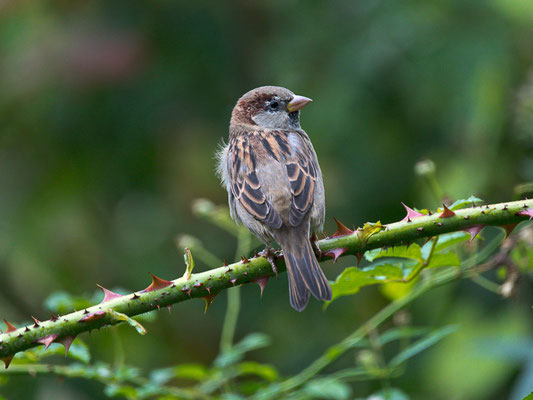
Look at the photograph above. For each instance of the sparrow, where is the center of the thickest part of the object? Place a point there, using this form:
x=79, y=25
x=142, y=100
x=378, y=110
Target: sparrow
x=274, y=183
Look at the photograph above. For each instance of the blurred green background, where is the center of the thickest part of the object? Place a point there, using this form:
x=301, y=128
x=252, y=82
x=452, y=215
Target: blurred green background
x=110, y=114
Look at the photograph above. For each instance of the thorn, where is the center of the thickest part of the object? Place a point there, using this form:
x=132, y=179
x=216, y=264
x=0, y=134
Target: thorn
x=428, y=239
x=228, y=270
x=420, y=229
x=233, y=281
x=135, y=296
x=85, y=311
x=508, y=229
x=335, y=253
x=208, y=300
x=66, y=341
x=526, y=213
x=169, y=308
x=37, y=322
x=439, y=224
x=244, y=260
x=108, y=294
x=47, y=340
x=9, y=327
x=93, y=316
x=411, y=214
x=7, y=360
x=262, y=282
x=225, y=263
x=466, y=217
x=447, y=213
x=359, y=258
x=255, y=254
x=157, y=283
x=198, y=284
x=342, y=230
x=26, y=329
x=208, y=288
x=53, y=318
x=473, y=230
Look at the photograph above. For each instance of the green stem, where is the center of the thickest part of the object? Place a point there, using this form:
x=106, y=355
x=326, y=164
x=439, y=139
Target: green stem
x=435, y=278
x=212, y=282
x=234, y=298
x=486, y=283
x=111, y=379
x=414, y=273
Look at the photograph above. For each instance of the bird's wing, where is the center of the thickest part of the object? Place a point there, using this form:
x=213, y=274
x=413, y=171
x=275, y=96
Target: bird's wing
x=245, y=185
x=300, y=163
x=302, y=170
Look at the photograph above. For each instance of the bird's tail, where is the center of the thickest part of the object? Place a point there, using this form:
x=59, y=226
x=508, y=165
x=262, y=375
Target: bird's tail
x=303, y=270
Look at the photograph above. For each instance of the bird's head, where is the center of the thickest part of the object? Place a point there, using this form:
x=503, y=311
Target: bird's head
x=269, y=107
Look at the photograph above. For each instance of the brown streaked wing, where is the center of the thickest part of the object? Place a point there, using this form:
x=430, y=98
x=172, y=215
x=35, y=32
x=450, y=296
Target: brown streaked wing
x=302, y=173
x=245, y=187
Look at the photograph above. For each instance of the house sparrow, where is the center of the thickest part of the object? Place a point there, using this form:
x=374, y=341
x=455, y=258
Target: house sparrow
x=274, y=183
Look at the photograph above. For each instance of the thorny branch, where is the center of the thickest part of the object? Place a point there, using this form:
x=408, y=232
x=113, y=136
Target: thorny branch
x=116, y=308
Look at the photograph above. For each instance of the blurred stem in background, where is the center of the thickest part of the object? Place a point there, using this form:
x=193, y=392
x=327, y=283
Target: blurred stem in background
x=524, y=189
x=221, y=218
x=426, y=170
x=244, y=244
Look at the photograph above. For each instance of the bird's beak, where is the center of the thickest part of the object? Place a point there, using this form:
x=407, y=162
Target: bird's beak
x=298, y=102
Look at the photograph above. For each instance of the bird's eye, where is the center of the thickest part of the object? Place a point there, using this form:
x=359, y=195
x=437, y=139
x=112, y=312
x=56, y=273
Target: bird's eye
x=274, y=105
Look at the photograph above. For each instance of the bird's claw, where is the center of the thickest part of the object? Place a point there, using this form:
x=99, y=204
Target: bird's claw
x=314, y=245
x=270, y=254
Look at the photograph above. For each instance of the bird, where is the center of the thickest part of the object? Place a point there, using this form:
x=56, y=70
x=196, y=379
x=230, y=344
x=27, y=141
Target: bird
x=274, y=183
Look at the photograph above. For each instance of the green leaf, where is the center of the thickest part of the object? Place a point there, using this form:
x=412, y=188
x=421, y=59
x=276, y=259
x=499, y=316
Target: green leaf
x=397, y=290
x=116, y=390
x=78, y=351
x=412, y=252
x=251, y=342
x=327, y=388
x=195, y=372
x=189, y=263
x=63, y=303
x=265, y=371
x=232, y=396
x=123, y=317
x=421, y=345
x=444, y=260
x=464, y=203
x=445, y=241
x=404, y=332
x=389, y=394
x=352, y=279
x=528, y=397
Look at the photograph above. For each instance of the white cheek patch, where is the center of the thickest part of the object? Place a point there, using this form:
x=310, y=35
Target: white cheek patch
x=278, y=120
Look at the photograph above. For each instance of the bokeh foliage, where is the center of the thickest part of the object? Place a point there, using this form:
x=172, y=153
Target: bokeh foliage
x=110, y=114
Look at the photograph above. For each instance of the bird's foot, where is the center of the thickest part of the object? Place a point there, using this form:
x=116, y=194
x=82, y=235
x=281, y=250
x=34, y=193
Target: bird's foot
x=270, y=255
x=314, y=244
